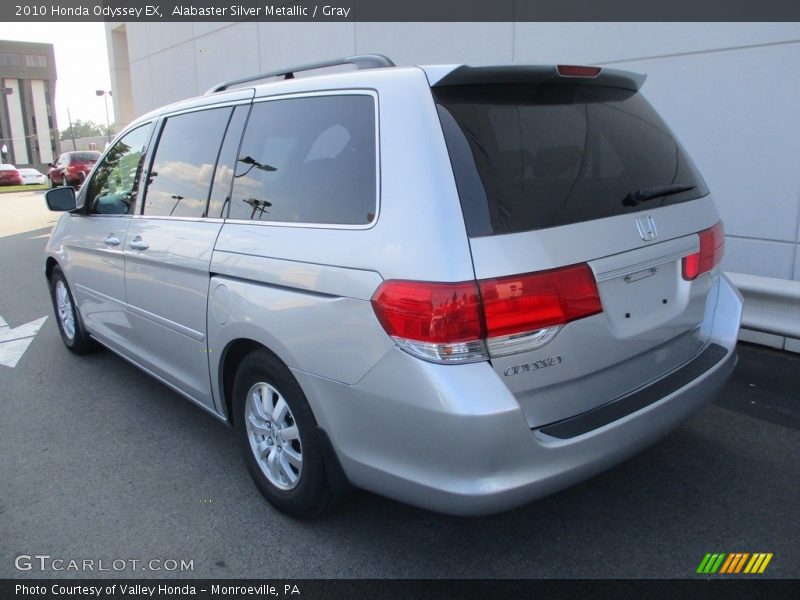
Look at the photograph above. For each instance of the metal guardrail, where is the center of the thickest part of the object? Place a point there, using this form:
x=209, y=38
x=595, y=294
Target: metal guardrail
x=770, y=305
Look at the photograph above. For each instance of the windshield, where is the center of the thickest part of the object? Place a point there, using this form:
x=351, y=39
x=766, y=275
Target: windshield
x=531, y=156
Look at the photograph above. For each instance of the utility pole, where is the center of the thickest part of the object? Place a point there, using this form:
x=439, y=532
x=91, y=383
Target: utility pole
x=71, y=130
x=105, y=94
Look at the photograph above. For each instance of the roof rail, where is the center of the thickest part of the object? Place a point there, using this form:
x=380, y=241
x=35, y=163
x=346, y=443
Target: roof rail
x=361, y=61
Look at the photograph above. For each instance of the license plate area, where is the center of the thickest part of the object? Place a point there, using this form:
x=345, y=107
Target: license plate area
x=643, y=290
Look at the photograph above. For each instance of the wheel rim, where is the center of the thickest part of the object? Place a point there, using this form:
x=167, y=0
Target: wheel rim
x=65, y=313
x=273, y=436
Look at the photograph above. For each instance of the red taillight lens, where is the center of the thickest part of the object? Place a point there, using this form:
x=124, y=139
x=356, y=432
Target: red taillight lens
x=577, y=71
x=449, y=322
x=537, y=300
x=429, y=312
x=712, y=248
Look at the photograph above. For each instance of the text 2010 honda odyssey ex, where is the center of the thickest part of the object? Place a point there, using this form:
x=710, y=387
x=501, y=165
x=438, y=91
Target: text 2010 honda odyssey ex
x=460, y=287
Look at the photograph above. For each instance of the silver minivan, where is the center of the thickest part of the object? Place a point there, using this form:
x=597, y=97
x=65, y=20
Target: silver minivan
x=460, y=287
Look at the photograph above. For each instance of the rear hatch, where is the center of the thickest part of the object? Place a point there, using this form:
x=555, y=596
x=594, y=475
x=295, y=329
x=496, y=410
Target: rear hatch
x=584, y=214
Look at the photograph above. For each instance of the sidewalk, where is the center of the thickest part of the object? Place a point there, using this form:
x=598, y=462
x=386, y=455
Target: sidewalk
x=24, y=211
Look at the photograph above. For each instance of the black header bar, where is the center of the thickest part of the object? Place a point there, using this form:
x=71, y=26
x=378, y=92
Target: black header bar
x=405, y=589
x=398, y=10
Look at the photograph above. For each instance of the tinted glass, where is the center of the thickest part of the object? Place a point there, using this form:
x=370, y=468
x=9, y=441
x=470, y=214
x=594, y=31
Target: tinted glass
x=112, y=189
x=83, y=156
x=223, y=178
x=308, y=160
x=184, y=162
x=533, y=156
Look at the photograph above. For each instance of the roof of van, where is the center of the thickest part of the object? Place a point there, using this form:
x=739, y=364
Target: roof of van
x=437, y=75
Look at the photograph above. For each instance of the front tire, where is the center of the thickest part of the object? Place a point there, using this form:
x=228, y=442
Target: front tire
x=70, y=326
x=277, y=432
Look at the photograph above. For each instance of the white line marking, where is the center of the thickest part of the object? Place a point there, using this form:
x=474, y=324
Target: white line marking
x=14, y=342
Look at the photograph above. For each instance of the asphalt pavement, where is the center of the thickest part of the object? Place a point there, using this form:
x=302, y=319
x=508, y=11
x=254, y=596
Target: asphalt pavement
x=98, y=461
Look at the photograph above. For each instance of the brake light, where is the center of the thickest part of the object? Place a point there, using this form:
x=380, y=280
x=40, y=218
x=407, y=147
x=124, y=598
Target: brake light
x=577, y=71
x=712, y=248
x=470, y=321
x=436, y=321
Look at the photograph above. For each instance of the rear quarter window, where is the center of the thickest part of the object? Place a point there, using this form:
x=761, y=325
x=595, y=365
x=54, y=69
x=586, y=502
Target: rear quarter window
x=308, y=160
x=528, y=157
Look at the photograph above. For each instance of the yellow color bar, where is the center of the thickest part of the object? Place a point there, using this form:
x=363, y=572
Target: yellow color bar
x=765, y=563
x=752, y=565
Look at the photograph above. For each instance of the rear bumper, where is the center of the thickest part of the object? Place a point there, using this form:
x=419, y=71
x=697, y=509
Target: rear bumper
x=454, y=439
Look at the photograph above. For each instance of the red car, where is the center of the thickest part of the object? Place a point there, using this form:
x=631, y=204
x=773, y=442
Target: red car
x=71, y=168
x=9, y=175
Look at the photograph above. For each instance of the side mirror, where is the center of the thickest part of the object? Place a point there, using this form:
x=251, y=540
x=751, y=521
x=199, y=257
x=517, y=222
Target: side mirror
x=61, y=199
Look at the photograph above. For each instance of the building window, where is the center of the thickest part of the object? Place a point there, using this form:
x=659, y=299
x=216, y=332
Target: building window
x=35, y=60
x=9, y=59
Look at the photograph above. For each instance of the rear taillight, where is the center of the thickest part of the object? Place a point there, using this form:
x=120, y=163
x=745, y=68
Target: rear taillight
x=712, y=248
x=436, y=321
x=577, y=71
x=470, y=321
x=524, y=312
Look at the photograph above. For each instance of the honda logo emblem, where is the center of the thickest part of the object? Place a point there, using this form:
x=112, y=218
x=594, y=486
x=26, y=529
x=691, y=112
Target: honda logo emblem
x=647, y=228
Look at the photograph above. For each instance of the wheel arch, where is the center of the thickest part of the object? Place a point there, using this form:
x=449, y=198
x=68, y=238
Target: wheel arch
x=50, y=264
x=229, y=362
x=230, y=358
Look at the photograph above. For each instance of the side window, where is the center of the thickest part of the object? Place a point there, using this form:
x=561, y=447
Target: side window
x=187, y=151
x=308, y=160
x=221, y=188
x=112, y=189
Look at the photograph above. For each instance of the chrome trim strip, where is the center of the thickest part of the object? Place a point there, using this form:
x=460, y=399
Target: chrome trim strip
x=665, y=252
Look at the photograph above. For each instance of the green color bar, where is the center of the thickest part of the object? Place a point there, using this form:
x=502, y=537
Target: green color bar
x=718, y=563
x=710, y=563
x=701, y=568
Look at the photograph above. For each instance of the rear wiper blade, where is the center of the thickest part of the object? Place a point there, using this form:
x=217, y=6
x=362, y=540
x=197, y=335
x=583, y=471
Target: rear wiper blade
x=648, y=193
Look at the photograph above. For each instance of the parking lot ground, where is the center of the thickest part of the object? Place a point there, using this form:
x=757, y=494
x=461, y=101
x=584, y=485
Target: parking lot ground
x=99, y=461
x=766, y=385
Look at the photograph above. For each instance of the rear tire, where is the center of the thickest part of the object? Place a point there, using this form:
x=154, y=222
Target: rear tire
x=70, y=326
x=277, y=433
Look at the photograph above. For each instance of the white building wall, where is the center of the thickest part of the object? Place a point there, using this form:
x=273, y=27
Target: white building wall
x=731, y=92
x=119, y=67
x=42, y=126
x=15, y=122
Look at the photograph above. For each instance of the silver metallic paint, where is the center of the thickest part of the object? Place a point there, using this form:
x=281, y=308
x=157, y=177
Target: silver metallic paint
x=304, y=291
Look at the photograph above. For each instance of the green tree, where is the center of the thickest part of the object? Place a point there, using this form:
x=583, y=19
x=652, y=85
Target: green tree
x=112, y=128
x=82, y=129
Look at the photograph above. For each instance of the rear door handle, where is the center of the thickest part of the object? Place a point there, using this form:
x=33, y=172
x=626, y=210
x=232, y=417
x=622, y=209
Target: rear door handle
x=138, y=243
x=111, y=240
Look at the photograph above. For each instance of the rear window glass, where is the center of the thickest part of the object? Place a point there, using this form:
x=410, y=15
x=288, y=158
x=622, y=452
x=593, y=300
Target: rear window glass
x=528, y=157
x=83, y=156
x=308, y=160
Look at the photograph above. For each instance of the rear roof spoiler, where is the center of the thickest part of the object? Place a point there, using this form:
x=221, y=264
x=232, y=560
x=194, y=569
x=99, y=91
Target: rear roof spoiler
x=466, y=75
